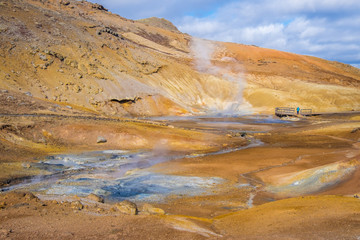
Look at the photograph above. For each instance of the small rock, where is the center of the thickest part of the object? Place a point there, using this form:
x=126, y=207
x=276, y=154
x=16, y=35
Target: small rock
x=355, y=130
x=127, y=207
x=26, y=165
x=78, y=75
x=65, y=2
x=2, y=205
x=237, y=134
x=5, y=233
x=152, y=210
x=69, y=107
x=101, y=139
x=38, y=25
x=100, y=210
x=4, y=91
x=99, y=7
x=42, y=57
x=61, y=71
x=95, y=198
x=77, y=205
x=30, y=196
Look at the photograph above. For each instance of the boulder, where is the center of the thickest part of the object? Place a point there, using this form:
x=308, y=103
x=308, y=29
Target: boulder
x=147, y=208
x=127, y=207
x=95, y=198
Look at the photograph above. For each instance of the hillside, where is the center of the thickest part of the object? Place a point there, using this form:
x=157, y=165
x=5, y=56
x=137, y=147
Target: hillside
x=80, y=54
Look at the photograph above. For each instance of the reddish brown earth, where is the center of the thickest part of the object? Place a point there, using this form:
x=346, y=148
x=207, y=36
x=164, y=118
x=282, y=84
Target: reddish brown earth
x=330, y=213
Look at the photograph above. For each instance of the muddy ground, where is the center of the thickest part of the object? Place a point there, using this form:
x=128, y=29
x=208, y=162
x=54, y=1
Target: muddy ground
x=295, y=178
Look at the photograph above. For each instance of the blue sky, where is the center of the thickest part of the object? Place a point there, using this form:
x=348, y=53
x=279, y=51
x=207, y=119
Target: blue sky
x=328, y=29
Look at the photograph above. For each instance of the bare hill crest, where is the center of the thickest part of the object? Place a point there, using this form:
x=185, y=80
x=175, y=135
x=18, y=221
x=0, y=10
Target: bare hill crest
x=79, y=53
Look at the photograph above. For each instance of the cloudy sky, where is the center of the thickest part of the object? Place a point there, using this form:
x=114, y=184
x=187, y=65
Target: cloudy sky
x=328, y=29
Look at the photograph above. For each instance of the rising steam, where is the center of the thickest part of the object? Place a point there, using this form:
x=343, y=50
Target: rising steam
x=203, y=53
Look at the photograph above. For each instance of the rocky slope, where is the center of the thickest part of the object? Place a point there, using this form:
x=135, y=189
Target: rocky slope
x=79, y=53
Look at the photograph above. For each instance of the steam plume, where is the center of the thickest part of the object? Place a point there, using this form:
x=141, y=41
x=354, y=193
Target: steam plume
x=203, y=52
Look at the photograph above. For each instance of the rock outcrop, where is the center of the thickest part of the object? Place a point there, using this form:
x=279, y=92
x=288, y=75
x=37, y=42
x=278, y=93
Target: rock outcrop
x=127, y=207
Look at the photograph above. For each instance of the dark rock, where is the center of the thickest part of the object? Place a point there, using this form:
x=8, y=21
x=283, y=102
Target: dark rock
x=99, y=7
x=109, y=31
x=65, y=2
x=355, y=130
x=38, y=25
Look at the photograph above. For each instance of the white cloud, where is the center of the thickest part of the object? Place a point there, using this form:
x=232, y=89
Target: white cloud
x=323, y=28
x=201, y=27
x=170, y=9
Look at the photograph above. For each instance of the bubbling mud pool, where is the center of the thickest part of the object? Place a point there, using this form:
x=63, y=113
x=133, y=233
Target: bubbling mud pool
x=114, y=174
x=119, y=174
